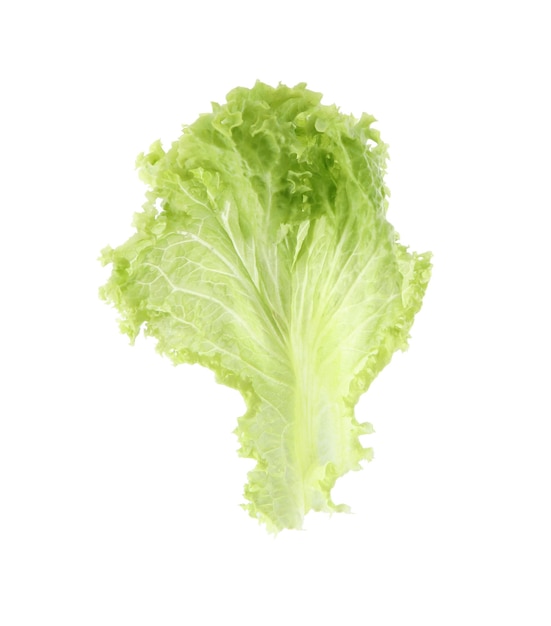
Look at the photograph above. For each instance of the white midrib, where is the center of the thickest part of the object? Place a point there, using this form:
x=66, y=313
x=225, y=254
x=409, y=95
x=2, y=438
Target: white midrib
x=310, y=406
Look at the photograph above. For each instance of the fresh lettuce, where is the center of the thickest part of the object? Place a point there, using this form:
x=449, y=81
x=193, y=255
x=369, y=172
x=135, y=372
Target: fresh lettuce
x=263, y=253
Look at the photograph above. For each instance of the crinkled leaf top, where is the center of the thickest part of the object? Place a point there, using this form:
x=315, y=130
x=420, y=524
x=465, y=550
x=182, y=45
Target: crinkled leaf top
x=263, y=253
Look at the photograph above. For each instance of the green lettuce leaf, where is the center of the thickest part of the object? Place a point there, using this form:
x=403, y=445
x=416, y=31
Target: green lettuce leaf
x=263, y=253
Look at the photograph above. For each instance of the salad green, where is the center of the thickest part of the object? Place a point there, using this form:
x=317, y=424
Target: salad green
x=263, y=252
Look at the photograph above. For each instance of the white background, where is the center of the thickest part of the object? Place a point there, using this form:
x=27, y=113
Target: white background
x=119, y=482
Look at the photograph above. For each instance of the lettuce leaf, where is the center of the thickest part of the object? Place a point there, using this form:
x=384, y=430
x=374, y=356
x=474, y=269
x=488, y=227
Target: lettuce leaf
x=263, y=253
